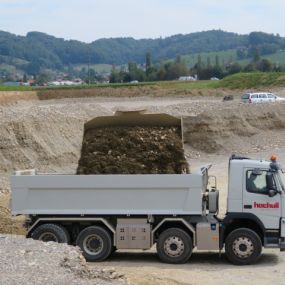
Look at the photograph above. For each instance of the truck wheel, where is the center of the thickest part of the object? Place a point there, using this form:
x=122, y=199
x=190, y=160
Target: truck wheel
x=51, y=232
x=95, y=242
x=243, y=246
x=174, y=246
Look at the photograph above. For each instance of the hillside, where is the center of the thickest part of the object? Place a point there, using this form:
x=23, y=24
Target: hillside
x=37, y=51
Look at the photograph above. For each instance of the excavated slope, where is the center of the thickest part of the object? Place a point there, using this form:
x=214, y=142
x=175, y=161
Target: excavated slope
x=237, y=129
x=48, y=137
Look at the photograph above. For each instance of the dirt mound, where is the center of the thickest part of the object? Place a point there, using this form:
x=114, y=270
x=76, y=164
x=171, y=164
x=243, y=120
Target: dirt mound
x=239, y=127
x=132, y=150
x=7, y=223
x=165, y=90
x=11, y=97
x=27, y=261
x=10, y=225
x=45, y=137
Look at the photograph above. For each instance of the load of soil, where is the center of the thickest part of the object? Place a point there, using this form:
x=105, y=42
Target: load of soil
x=132, y=150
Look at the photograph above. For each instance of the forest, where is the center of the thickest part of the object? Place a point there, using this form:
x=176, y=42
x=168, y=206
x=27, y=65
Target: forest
x=37, y=51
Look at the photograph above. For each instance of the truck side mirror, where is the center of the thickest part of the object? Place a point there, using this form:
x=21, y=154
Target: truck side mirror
x=269, y=181
x=272, y=192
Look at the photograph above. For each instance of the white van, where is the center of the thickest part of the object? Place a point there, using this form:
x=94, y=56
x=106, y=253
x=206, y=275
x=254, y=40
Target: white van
x=260, y=97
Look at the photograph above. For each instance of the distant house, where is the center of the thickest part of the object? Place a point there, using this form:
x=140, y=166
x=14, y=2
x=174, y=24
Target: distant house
x=187, y=78
x=65, y=83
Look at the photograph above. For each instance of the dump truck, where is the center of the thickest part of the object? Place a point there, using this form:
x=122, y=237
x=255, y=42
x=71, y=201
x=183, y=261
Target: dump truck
x=176, y=212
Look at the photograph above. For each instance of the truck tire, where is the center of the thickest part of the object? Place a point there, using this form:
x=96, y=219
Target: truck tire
x=243, y=246
x=95, y=243
x=174, y=245
x=51, y=232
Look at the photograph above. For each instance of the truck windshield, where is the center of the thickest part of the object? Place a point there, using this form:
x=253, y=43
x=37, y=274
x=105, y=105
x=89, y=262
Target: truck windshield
x=280, y=182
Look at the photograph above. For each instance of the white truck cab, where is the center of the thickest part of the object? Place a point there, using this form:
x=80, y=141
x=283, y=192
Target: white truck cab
x=256, y=199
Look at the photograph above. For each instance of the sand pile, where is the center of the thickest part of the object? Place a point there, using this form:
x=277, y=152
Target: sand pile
x=132, y=150
x=11, y=225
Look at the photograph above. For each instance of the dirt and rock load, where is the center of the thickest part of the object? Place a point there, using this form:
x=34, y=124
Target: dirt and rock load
x=132, y=150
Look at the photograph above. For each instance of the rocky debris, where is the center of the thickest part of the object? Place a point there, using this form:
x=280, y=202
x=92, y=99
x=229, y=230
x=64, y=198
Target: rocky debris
x=30, y=262
x=132, y=150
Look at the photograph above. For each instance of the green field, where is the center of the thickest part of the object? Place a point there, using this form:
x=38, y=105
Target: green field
x=15, y=88
x=225, y=57
x=253, y=80
x=228, y=56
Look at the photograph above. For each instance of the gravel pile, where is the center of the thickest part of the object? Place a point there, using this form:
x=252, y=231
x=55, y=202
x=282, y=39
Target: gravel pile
x=30, y=262
x=132, y=150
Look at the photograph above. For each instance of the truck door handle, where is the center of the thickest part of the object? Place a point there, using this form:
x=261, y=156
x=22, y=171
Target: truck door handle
x=247, y=206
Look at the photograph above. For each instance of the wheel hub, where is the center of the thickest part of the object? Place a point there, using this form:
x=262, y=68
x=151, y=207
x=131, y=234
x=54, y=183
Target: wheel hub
x=93, y=244
x=173, y=246
x=243, y=247
x=48, y=236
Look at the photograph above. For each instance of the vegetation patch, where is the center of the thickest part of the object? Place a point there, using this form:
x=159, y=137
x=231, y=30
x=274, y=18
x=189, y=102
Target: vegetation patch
x=253, y=80
x=15, y=88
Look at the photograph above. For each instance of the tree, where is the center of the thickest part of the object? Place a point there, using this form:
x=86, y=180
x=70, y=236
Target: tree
x=208, y=62
x=33, y=68
x=148, y=61
x=115, y=76
x=178, y=59
x=132, y=68
x=249, y=68
x=256, y=55
x=217, y=61
x=199, y=63
x=264, y=65
x=234, y=68
x=25, y=79
x=152, y=74
x=241, y=53
x=43, y=78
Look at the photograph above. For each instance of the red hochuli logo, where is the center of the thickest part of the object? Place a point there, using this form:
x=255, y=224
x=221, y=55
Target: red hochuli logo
x=266, y=205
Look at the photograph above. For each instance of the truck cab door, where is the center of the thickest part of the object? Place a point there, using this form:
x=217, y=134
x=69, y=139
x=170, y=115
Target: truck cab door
x=260, y=197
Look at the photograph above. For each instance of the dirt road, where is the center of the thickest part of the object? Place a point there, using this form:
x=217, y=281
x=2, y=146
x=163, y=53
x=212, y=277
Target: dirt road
x=203, y=268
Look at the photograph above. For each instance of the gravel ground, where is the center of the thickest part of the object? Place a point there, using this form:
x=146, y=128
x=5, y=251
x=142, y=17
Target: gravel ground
x=29, y=262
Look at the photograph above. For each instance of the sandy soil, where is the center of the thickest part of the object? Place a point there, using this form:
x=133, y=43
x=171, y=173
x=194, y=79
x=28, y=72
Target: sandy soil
x=203, y=268
x=47, y=135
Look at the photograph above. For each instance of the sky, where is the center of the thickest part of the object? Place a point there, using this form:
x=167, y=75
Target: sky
x=89, y=20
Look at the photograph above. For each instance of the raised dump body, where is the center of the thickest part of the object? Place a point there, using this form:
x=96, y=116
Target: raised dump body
x=109, y=194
